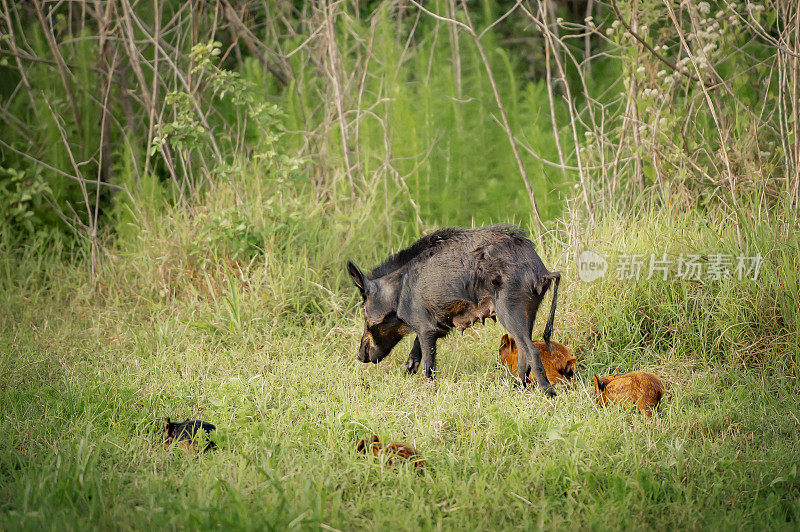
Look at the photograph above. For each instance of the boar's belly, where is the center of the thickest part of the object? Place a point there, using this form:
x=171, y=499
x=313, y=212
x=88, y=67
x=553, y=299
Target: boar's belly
x=462, y=314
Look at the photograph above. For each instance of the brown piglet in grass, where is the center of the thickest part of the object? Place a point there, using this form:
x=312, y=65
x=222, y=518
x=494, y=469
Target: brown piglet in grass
x=639, y=388
x=373, y=446
x=558, y=364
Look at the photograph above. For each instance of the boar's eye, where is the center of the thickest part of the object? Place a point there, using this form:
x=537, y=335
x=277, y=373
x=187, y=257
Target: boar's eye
x=387, y=321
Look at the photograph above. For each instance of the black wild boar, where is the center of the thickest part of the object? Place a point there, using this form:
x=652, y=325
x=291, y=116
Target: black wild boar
x=453, y=278
x=188, y=433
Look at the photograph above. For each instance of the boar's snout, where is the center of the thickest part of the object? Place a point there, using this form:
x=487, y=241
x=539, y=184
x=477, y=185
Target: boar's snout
x=369, y=351
x=363, y=351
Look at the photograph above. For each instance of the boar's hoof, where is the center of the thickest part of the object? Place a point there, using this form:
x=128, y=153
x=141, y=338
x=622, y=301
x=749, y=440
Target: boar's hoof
x=412, y=366
x=549, y=391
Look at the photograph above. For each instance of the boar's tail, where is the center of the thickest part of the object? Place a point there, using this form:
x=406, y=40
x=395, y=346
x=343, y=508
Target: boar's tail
x=548, y=329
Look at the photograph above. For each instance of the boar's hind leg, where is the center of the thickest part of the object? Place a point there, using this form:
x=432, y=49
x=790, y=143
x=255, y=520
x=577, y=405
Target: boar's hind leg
x=517, y=317
x=414, y=358
x=535, y=366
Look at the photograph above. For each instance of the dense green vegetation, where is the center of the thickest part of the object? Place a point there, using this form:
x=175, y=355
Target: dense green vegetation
x=182, y=254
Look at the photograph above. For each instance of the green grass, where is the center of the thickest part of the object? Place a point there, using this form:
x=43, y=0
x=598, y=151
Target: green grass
x=232, y=305
x=264, y=347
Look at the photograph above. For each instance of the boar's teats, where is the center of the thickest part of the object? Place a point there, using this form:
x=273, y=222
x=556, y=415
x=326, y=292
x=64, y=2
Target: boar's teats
x=465, y=313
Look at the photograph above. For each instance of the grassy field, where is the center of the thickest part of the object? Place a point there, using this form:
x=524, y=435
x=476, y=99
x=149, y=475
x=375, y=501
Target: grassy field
x=264, y=347
x=179, y=197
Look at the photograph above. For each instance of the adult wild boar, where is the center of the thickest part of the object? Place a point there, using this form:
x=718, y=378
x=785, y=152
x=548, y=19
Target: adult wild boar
x=453, y=278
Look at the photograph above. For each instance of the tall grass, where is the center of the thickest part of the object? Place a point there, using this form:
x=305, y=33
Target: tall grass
x=448, y=150
x=421, y=134
x=734, y=322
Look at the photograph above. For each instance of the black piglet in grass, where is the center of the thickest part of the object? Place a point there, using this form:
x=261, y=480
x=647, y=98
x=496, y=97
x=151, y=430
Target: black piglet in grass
x=189, y=434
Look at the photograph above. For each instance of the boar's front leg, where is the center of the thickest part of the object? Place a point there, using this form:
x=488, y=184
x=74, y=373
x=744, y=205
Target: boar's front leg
x=411, y=311
x=427, y=342
x=414, y=358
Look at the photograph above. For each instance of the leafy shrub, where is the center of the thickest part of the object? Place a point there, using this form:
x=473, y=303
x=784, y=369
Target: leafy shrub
x=22, y=198
x=229, y=233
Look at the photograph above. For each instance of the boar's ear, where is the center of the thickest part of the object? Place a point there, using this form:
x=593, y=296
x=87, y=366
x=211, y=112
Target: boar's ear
x=358, y=277
x=598, y=386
